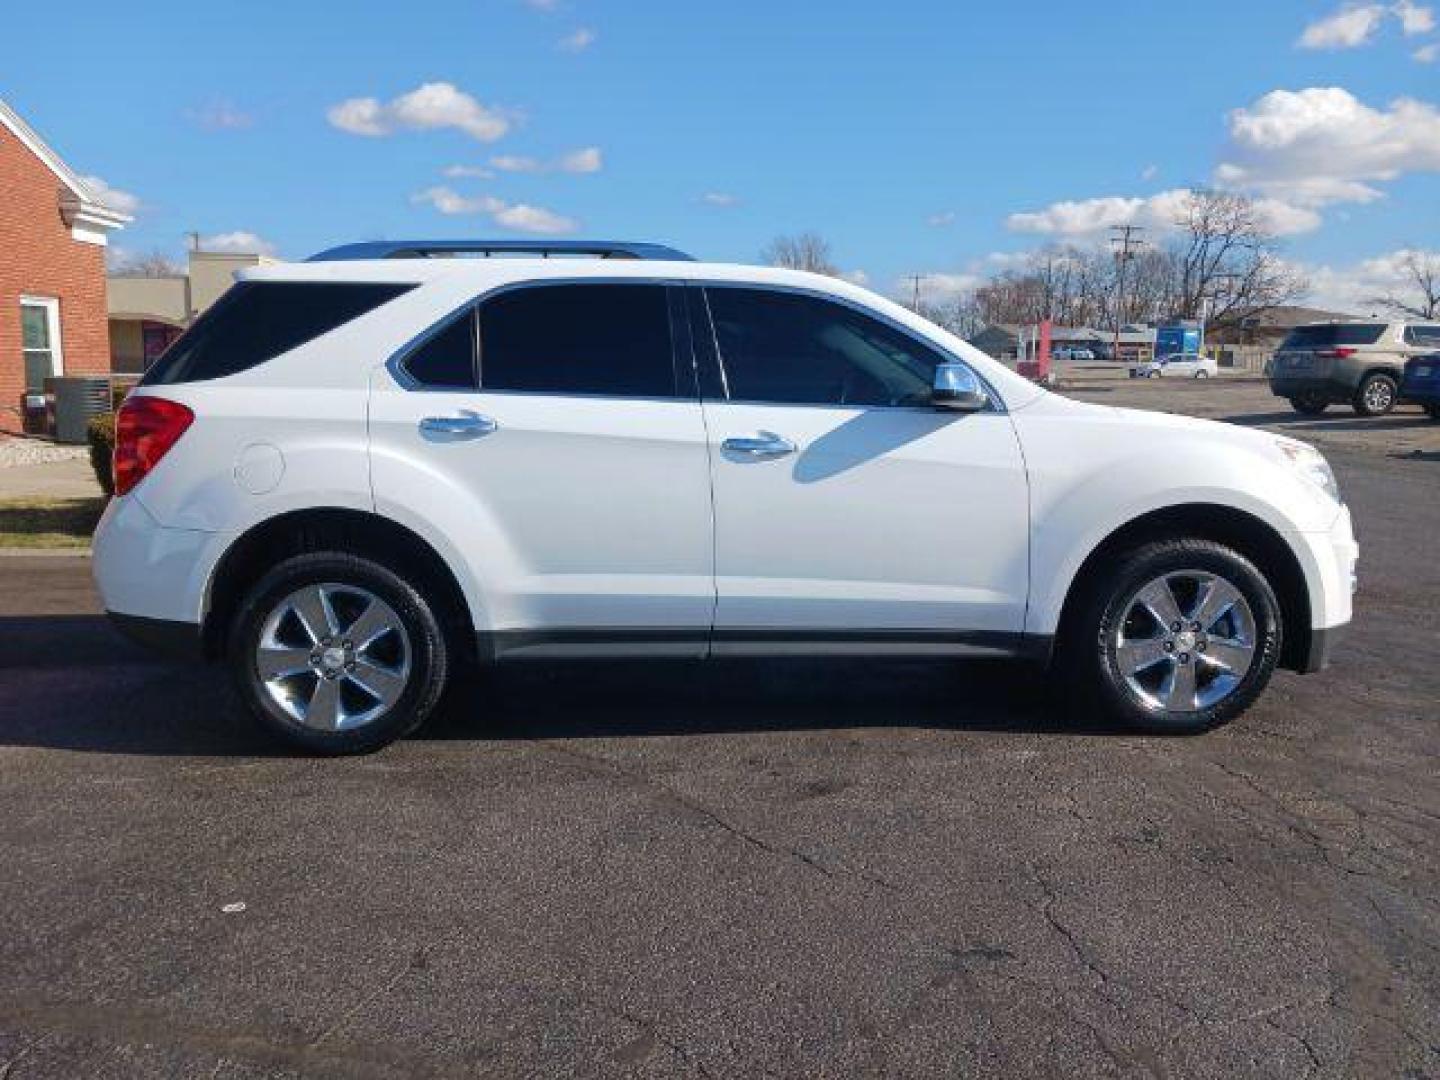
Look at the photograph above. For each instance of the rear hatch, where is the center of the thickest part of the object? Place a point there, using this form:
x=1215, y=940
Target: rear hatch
x=1311, y=351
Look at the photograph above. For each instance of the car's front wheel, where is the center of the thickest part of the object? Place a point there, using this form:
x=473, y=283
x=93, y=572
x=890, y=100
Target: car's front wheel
x=1376, y=396
x=337, y=654
x=1178, y=636
x=1202, y=374
x=1434, y=411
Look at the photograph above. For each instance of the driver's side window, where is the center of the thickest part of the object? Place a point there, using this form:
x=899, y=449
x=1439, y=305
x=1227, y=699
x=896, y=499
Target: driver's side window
x=790, y=348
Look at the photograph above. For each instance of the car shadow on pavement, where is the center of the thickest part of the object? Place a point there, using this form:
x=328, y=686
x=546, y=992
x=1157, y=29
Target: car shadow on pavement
x=1340, y=422
x=71, y=682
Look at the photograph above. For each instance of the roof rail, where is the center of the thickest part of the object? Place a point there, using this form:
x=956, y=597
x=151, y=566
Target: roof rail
x=429, y=249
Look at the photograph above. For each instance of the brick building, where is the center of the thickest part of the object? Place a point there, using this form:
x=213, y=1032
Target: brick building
x=53, y=232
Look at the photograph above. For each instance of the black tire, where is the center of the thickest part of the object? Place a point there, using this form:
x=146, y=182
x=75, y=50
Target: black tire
x=1309, y=404
x=1434, y=411
x=421, y=652
x=1377, y=395
x=1088, y=658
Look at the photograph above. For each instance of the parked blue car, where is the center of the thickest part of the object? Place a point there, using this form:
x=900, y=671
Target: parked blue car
x=1421, y=383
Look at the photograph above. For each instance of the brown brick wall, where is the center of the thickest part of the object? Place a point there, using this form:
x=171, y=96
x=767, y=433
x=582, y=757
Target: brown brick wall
x=38, y=257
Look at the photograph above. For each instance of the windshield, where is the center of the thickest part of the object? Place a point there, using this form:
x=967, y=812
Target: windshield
x=1327, y=334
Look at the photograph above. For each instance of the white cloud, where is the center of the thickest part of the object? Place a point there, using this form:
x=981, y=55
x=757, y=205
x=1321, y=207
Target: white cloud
x=1426, y=54
x=221, y=115
x=938, y=287
x=534, y=219
x=720, y=198
x=578, y=40
x=516, y=163
x=468, y=172
x=585, y=160
x=946, y=217
x=1414, y=18
x=114, y=198
x=1161, y=213
x=426, y=108
x=237, y=243
x=1322, y=144
x=1149, y=172
x=856, y=277
x=1352, y=289
x=588, y=159
x=1348, y=28
x=518, y=216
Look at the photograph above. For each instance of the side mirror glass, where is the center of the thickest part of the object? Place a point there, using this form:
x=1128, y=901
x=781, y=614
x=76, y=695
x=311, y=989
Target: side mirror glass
x=957, y=387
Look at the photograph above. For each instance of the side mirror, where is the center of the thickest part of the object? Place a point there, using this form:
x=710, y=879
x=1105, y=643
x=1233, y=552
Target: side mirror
x=956, y=387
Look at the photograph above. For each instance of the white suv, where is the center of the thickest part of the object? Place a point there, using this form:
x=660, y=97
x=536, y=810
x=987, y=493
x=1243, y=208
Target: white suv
x=355, y=474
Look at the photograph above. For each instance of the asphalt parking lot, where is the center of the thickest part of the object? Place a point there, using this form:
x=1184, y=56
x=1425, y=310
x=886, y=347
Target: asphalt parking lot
x=784, y=869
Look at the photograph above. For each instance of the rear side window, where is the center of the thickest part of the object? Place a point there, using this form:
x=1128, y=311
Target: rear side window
x=1326, y=335
x=579, y=339
x=447, y=358
x=1429, y=336
x=256, y=321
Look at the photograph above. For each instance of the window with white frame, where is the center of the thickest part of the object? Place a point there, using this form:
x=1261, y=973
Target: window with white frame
x=40, y=340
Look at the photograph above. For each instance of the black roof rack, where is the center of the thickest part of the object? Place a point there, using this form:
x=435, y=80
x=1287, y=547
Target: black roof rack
x=429, y=249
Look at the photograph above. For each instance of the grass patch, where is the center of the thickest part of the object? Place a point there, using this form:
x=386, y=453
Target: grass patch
x=49, y=523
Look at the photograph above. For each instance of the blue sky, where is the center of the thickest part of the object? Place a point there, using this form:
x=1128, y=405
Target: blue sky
x=917, y=135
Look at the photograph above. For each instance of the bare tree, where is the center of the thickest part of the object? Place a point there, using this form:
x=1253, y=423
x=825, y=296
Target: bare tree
x=153, y=264
x=1227, y=259
x=1420, y=297
x=804, y=251
x=959, y=314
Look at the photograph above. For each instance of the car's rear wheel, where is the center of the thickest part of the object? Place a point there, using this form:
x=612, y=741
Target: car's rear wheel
x=1434, y=411
x=1152, y=375
x=1202, y=374
x=337, y=654
x=1309, y=404
x=1178, y=636
x=1376, y=396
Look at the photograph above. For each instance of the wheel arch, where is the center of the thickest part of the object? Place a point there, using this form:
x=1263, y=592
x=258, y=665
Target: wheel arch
x=1251, y=536
x=356, y=532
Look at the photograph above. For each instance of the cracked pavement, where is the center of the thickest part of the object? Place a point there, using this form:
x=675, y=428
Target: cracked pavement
x=780, y=868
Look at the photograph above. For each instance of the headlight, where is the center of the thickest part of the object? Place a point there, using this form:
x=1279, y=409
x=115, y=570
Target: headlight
x=1310, y=464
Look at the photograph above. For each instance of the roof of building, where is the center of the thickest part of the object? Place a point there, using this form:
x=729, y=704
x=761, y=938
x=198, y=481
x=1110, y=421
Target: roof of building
x=83, y=208
x=1280, y=317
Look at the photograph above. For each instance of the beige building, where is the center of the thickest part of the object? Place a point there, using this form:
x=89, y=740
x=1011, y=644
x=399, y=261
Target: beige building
x=147, y=313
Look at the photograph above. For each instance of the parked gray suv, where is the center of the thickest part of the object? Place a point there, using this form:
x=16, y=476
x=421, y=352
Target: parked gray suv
x=1359, y=363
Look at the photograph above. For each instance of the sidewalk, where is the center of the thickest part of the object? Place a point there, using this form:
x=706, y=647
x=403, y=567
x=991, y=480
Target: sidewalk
x=73, y=479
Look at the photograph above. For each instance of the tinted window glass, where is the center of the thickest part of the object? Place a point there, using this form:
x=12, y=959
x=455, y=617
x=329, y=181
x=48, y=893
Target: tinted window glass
x=1423, y=335
x=578, y=339
x=448, y=357
x=1324, y=336
x=785, y=347
x=257, y=321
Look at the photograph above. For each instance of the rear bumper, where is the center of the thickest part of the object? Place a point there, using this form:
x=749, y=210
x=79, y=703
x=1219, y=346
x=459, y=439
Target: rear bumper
x=168, y=637
x=1291, y=386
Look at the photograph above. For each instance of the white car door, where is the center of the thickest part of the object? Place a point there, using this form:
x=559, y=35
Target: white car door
x=847, y=507
x=574, y=479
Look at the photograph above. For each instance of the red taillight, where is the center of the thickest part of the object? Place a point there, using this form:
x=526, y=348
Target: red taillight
x=145, y=429
x=1336, y=354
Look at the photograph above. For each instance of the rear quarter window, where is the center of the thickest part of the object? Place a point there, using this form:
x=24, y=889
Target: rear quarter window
x=256, y=321
x=1331, y=334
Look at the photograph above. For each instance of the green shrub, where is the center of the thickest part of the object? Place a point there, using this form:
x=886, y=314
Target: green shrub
x=101, y=436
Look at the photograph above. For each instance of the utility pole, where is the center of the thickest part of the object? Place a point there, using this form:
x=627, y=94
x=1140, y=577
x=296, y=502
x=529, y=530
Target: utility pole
x=1125, y=242
x=915, y=280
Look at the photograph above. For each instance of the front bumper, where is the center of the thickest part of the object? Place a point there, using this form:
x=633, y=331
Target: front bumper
x=1333, y=581
x=167, y=637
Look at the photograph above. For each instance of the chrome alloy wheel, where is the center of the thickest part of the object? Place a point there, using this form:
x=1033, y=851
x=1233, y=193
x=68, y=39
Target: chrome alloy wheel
x=333, y=657
x=1379, y=395
x=1186, y=641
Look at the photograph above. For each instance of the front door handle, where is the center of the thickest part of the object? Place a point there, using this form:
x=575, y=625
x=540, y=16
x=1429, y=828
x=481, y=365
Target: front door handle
x=766, y=445
x=465, y=426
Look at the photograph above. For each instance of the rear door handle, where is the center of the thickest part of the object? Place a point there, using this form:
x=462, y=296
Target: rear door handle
x=465, y=426
x=766, y=445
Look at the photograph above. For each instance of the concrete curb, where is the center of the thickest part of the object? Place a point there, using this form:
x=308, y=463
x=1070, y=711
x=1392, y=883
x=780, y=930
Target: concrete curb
x=44, y=553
